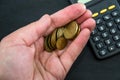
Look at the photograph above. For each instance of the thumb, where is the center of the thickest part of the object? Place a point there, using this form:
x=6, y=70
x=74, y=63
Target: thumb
x=30, y=33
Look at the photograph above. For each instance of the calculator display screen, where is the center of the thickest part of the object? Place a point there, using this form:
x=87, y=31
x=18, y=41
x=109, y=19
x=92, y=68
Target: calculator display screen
x=83, y=1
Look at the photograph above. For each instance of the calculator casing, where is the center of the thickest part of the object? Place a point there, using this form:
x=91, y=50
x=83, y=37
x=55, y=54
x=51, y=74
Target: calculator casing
x=97, y=6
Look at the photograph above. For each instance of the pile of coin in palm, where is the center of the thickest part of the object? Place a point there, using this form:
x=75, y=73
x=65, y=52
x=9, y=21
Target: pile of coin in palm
x=59, y=38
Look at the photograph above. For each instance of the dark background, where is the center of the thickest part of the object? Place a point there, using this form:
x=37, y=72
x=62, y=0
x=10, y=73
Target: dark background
x=17, y=13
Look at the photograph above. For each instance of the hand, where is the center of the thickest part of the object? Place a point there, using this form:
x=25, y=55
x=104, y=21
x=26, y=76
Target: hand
x=22, y=54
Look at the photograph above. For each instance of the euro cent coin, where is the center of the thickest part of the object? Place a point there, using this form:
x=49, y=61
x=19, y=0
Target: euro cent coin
x=61, y=43
x=71, y=30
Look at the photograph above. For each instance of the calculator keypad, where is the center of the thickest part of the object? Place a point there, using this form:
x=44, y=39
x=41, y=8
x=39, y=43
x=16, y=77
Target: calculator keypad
x=106, y=35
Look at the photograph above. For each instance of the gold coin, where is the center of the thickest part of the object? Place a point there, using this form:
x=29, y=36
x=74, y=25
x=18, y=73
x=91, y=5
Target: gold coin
x=60, y=32
x=46, y=45
x=78, y=31
x=59, y=37
x=71, y=30
x=54, y=38
x=61, y=43
x=49, y=42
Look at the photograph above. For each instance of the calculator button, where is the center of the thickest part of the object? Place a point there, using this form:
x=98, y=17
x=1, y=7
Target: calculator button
x=95, y=14
x=107, y=17
x=108, y=41
x=110, y=24
x=103, y=11
x=111, y=7
x=96, y=38
x=113, y=30
x=99, y=21
x=118, y=44
x=117, y=20
x=118, y=27
x=101, y=28
x=105, y=34
x=115, y=13
x=116, y=37
x=94, y=32
x=111, y=48
x=100, y=45
x=103, y=52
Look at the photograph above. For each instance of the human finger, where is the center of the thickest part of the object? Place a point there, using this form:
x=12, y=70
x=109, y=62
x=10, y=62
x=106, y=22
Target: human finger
x=66, y=15
x=30, y=33
x=86, y=15
x=75, y=48
x=89, y=23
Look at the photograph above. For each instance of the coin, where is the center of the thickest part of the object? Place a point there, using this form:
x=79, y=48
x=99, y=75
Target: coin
x=49, y=42
x=61, y=43
x=71, y=30
x=78, y=31
x=58, y=39
x=46, y=45
x=54, y=38
x=60, y=32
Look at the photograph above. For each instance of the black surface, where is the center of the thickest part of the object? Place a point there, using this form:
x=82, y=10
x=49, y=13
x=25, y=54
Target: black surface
x=17, y=13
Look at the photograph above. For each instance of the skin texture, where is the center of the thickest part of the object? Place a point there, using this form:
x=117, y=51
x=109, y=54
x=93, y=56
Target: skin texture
x=22, y=54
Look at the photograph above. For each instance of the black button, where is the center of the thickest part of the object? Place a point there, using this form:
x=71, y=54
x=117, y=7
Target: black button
x=101, y=28
x=115, y=13
x=103, y=52
x=107, y=17
x=105, y=34
x=111, y=48
x=96, y=38
x=113, y=30
x=118, y=44
x=108, y=41
x=118, y=27
x=117, y=20
x=99, y=21
x=116, y=37
x=100, y=45
x=94, y=32
x=110, y=24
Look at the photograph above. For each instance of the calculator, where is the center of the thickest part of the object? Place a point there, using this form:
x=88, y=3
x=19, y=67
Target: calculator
x=105, y=38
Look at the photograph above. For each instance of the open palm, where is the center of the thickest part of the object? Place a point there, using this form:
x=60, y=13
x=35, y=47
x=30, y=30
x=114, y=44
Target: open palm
x=22, y=54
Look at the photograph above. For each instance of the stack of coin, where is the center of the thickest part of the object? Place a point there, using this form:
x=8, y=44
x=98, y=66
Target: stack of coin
x=59, y=37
